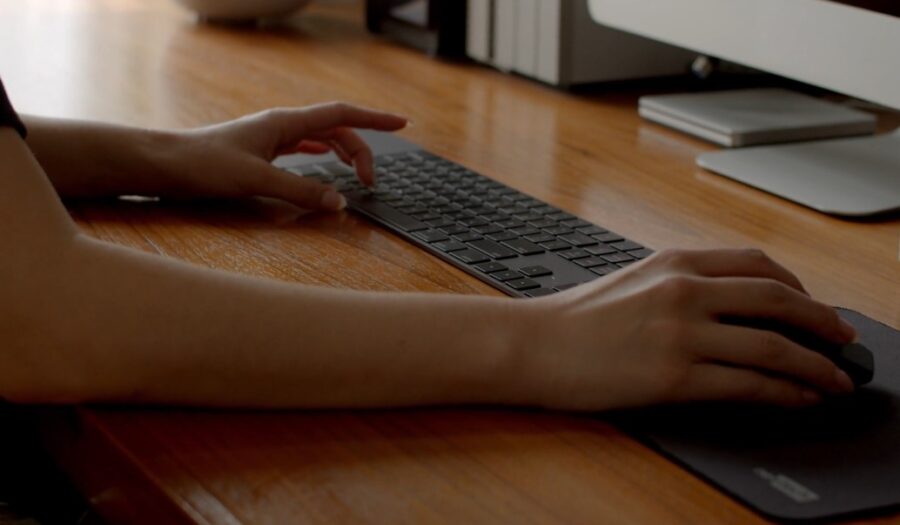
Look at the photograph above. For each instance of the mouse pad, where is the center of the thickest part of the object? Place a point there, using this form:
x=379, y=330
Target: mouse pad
x=829, y=461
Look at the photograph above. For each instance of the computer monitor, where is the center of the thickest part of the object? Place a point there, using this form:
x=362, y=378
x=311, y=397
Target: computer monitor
x=847, y=46
x=852, y=46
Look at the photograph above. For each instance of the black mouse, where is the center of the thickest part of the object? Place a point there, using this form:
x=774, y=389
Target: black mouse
x=853, y=358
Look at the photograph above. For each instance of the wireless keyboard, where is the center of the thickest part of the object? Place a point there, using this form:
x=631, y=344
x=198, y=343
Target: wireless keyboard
x=518, y=244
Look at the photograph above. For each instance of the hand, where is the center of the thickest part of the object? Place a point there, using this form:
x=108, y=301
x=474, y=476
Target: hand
x=233, y=159
x=652, y=334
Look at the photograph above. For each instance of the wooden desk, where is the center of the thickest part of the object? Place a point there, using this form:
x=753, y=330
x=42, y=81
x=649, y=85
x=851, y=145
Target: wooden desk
x=145, y=62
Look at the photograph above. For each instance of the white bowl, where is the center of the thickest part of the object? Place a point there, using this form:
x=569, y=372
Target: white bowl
x=241, y=10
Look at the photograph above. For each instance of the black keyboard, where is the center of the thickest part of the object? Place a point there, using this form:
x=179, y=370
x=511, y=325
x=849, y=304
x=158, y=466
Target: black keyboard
x=514, y=242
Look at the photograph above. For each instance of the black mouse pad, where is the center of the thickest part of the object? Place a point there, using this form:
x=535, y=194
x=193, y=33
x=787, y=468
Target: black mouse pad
x=829, y=461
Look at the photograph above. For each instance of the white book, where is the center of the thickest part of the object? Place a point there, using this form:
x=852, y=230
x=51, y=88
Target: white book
x=549, y=34
x=526, y=37
x=504, y=34
x=479, y=29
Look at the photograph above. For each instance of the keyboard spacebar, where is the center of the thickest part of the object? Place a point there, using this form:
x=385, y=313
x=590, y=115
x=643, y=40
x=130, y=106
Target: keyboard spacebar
x=388, y=214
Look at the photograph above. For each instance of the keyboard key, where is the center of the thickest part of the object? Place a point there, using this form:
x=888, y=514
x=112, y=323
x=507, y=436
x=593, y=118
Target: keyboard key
x=540, y=292
x=535, y=271
x=442, y=222
x=456, y=229
x=590, y=262
x=525, y=230
x=491, y=267
x=608, y=237
x=600, y=249
x=467, y=237
x=522, y=284
x=506, y=275
x=470, y=256
x=487, y=229
x=617, y=257
x=641, y=254
x=564, y=287
x=495, y=217
x=558, y=230
x=387, y=196
x=502, y=236
x=511, y=223
x=543, y=223
x=627, y=246
x=540, y=237
x=483, y=210
x=524, y=247
x=527, y=217
x=493, y=249
x=591, y=230
x=578, y=239
x=471, y=222
x=389, y=215
x=431, y=236
x=577, y=223
x=404, y=204
x=561, y=216
x=555, y=246
x=545, y=209
x=449, y=246
x=574, y=253
x=604, y=270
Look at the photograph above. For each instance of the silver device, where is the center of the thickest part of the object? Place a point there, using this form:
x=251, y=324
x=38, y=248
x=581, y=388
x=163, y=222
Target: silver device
x=837, y=45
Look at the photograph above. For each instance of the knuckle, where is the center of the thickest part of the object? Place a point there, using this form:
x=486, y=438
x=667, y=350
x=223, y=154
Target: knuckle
x=676, y=335
x=772, y=347
x=752, y=389
x=777, y=294
x=674, y=256
x=340, y=108
x=831, y=317
x=758, y=257
x=274, y=113
x=678, y=290
x=674, y=383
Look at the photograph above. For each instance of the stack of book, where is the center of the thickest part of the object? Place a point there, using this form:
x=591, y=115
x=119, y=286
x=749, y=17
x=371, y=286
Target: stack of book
x=557, y=42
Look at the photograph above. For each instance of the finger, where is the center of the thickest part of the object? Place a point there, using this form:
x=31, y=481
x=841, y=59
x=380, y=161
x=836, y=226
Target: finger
x=313, y=147
x=355, y=152
x=297, y=124
x=733, y=263
x=772, y=353
x=754, y=298
x=304, y=192
x=713, y=382
x=359, y=153
x=310, y=147
x=339, y=151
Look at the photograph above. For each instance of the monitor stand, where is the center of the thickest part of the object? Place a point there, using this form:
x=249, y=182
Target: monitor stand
x=855, y=177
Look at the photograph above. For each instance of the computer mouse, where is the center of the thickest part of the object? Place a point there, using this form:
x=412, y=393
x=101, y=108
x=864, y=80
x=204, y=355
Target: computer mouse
x=853, y=358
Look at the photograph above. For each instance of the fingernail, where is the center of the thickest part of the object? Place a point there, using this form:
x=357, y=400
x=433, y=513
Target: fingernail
x=811, y=397
x=848, y=330
x=410, y=124
x=843, y=381
x=332, y=200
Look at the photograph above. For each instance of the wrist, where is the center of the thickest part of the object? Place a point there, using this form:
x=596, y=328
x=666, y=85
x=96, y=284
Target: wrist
x=516, y=377
x=155, y=160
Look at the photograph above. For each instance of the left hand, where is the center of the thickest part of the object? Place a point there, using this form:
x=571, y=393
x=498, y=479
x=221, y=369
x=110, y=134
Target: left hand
x=233, y=159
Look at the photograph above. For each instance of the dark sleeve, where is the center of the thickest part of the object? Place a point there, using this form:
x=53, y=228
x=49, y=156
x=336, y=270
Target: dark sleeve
x=8, y=116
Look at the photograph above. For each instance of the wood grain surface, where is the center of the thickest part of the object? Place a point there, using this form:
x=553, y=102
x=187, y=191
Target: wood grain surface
x=146, y=62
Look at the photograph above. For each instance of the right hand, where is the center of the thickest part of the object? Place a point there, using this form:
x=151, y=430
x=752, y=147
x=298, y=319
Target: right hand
x=652, y=334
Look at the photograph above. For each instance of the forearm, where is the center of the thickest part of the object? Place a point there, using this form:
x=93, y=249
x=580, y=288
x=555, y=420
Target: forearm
x=127, y=326
x=92, y=159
